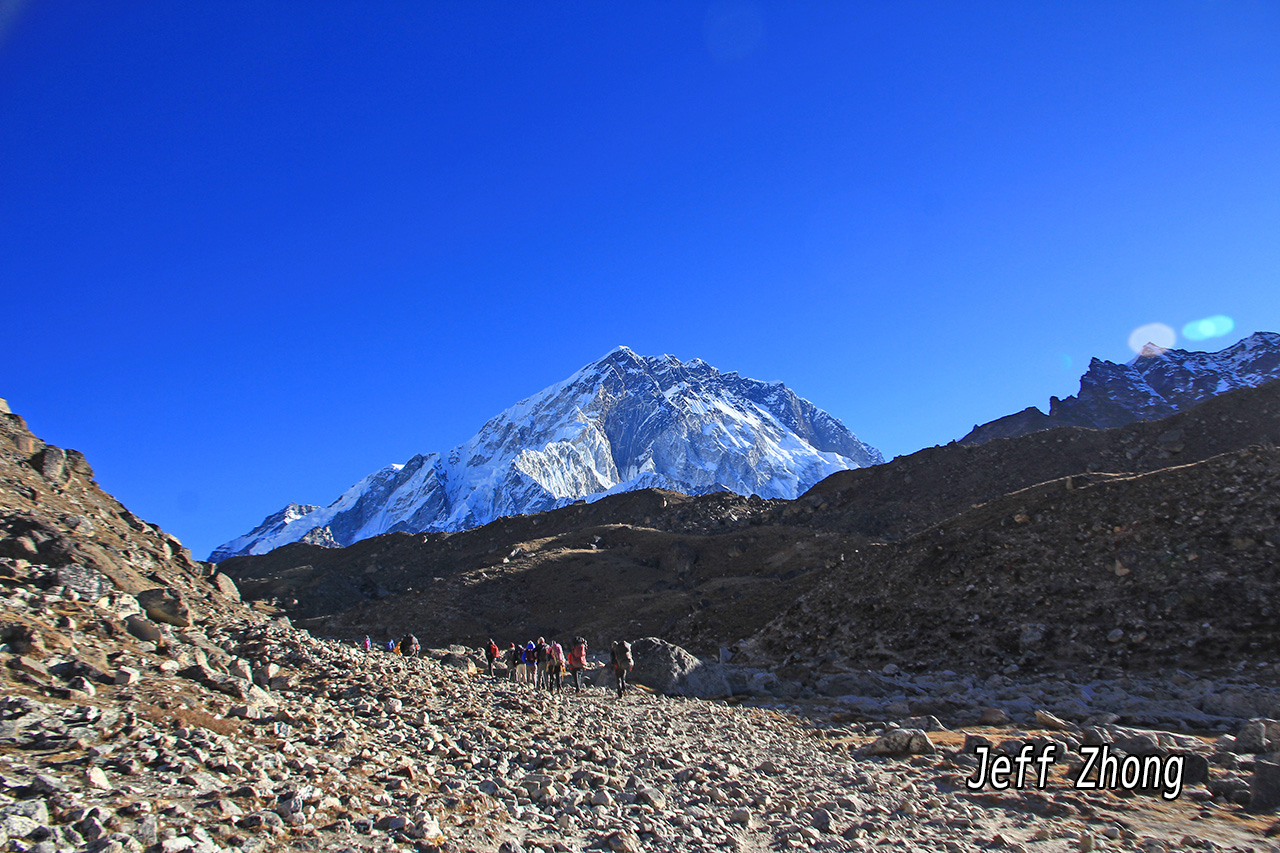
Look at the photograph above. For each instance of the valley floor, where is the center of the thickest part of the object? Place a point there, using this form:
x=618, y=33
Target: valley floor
x=172, y=747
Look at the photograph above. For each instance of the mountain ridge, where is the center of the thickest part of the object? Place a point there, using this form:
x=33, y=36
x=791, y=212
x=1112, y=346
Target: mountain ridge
x=622, y=422
x=1157, y=383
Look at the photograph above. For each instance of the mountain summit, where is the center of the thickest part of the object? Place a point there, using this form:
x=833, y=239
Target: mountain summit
x=1157, y=383
x=624, y=422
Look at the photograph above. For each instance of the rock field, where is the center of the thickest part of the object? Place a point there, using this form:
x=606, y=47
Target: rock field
x=239, y=732
x=145, y=706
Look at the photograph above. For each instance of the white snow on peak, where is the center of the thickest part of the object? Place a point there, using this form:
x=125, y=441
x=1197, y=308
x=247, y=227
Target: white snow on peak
x=620, y=423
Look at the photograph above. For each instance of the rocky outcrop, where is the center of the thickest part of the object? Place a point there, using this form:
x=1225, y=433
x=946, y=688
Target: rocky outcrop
x=165, y=605
x=671, y=670
x=1156, y=384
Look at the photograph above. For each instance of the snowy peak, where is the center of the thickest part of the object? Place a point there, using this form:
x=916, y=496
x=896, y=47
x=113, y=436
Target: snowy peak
x=270, y=527
x=1155, y=384
x=622, y=422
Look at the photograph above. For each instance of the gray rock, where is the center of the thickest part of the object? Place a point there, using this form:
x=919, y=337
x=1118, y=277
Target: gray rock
x=1265, y=785
x=34, y=810
x=671, y=670
x=899, y=742
x=1257, y=736
x=924, y=724
x=53, y=464
x=17, y=826
x=226, y=586
x=143, y=629
x=89, y=583
x=165, y=604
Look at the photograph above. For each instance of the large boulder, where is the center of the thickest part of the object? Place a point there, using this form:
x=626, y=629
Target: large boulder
x=226, y=586
x=1257, y=736
x=165, y=604
x=669, y=669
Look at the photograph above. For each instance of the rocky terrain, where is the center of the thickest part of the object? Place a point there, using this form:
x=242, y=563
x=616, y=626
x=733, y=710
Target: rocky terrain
x=1031, y=528
x=146, y=707
x=1156, y=384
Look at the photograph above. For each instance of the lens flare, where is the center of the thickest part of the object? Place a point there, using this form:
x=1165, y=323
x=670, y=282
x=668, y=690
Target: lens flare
x=1210, y=327
x=1152, y=333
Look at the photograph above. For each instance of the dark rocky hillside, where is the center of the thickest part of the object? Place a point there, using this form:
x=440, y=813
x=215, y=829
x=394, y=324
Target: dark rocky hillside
x=710, y=571
x=1093, y=575
x=145, y=708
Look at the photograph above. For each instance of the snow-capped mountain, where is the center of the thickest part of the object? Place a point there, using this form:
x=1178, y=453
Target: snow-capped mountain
x=1156, y=384
x=622, y=423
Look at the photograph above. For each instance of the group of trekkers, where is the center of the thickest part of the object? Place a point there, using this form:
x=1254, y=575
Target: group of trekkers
x=407, y=645
x=539, y=663
x=544, y=664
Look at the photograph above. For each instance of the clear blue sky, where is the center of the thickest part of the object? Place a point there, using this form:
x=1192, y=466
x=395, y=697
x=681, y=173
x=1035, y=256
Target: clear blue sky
x=251, y=251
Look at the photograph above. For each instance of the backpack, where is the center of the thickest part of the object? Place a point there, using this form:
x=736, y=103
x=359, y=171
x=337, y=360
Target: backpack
x=622, y=655
x=492, y=651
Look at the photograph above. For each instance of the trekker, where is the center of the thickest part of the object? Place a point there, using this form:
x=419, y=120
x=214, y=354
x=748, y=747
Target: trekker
x=513, y=662
x=530, y=658
x=541, y=652
x=415, y=648
x=555, y=666
x=391, y=646
x=577, y=661
x=368, y=644
x=622, y=662
x=491, y=655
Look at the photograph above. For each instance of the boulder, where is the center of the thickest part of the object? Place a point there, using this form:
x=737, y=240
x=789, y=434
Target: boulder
x=899, y=742
x=671, y=670
x=1258, y=735
x=88, y=582
x=462, y=662
x=226, y=586
x=165, y=604
x=1265, y=785
x=53, y=464
x=143, y=629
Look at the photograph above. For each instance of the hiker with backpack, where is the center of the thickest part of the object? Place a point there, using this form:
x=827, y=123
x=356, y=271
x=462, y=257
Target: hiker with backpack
x=530, y=660
x=541, y=652
x=622, y=662
x=555, y=666
x=491, y=655
x=577, y=661
x=513, y=662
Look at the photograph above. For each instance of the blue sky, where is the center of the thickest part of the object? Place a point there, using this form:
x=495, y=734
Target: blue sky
x=250, y=252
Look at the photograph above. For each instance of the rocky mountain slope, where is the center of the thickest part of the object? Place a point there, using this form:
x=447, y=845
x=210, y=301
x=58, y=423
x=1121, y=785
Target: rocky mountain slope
x=711, y=571
x=623, y=423
x=1156, y=384
x=145, y=707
